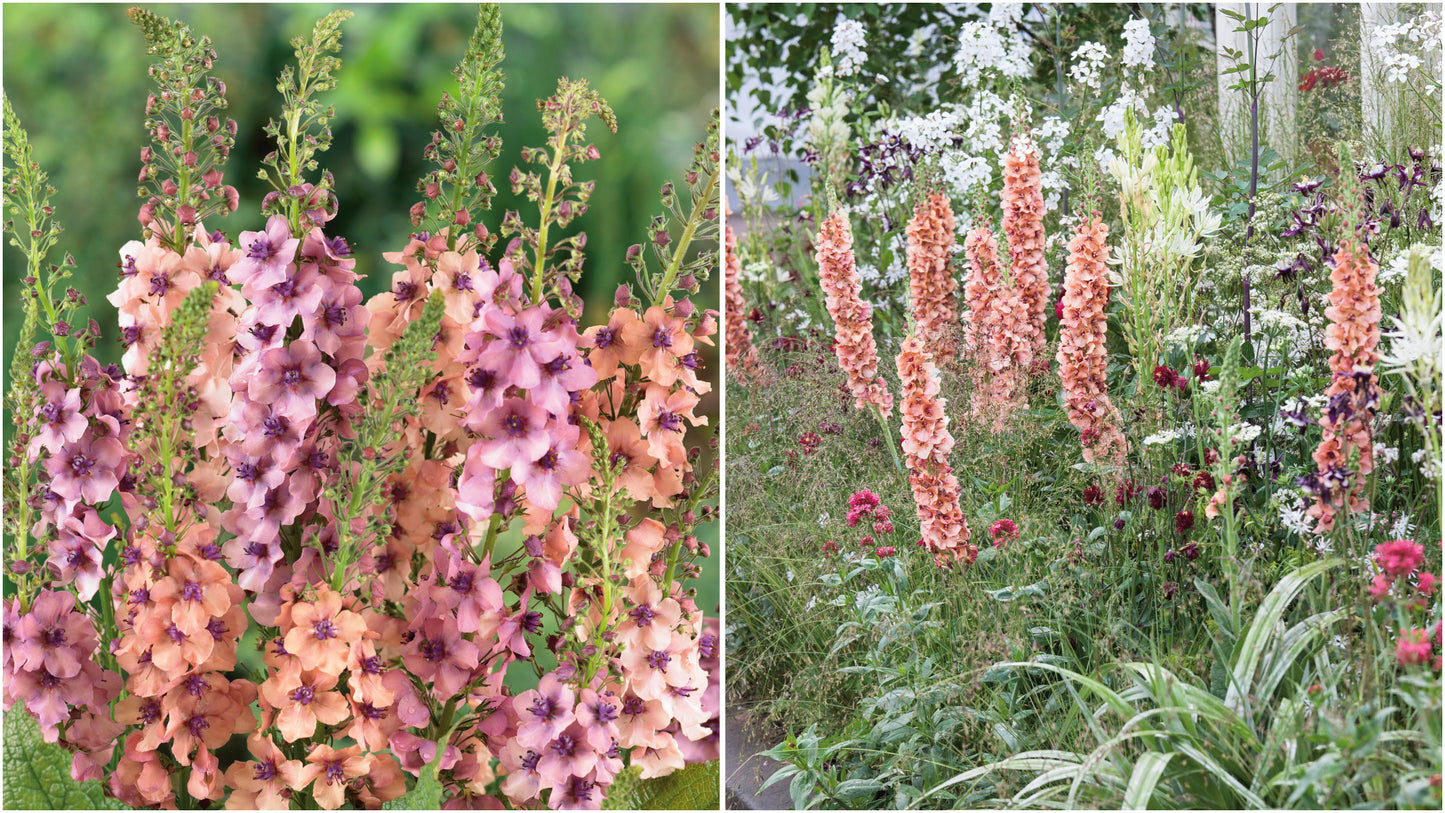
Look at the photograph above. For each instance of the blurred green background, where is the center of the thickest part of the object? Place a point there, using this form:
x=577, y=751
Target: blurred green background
x=76, y=76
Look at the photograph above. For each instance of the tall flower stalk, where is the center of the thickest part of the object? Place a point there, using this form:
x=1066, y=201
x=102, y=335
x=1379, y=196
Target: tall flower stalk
x=1023, y=224
x=853, y=321
x=982, y=293
x=926, y=444
x=930, y=278
x=742, y=356
x=1083, y=358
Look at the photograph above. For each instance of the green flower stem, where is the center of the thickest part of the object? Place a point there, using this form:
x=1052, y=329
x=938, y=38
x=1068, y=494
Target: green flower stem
x=694, y=220
x=888, y=439
x=537, y=276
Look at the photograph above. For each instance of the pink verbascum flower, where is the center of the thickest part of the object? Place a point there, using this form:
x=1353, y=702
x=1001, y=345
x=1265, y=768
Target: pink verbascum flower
x=980, y=318
x=1083, y=357
x=852, y=317
x=742, y=356
x=927, y=442
x=930, y=280
x=267, y=254
x=1023, y=223
x=1345, y=456
x=292, y=379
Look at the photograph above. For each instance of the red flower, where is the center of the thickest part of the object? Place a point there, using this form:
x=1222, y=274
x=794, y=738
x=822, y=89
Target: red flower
x=1093, y=495
x=1164, y=376
x=1184, y=522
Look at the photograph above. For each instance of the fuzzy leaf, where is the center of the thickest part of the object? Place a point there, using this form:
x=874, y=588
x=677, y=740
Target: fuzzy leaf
x=693, y=788
x=37, y=773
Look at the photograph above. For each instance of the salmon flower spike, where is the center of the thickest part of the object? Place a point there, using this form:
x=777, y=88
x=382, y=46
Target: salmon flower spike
x=980, y=319
x=927, y=442
x=930, y=280
x=742, y=356
x=1023, y=223
x=1345, y=456
x=1083, y=359
x=853, y=318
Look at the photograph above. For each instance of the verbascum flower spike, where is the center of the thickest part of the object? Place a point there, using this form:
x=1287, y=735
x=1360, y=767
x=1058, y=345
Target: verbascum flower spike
x=930, y=282
x=1083, y=360
x=1010, y=356
x=853, y=318
x=1345, y=456
x=1023, y=223
x=980, y=318
x=742, y=356
x=926, y=443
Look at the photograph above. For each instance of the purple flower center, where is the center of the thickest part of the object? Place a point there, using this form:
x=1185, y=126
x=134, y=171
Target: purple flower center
x=291, y=378
x=519, y=337
x=690, y=361
x=274, y=426
x=515, y=425
x=266, y=771
x=532, y=622
x=192, y=591
x=219, y=275
x=197, y=724
x=548, y=461
x=49, y=681
x=371, y=712
x=150, y=712
x=160, y=283
x=632, y=706
x=256, y=550
x=580, y=789
x=334, y=314
x=662, y=337
x=404, y=291
x=324, y=629
x=51, y=413
x=669, y=421
x=175, y=634
x=557, y=366
x=337, y=245
x=127, y=267
x=195, y=684
x=606, y=712
x=442, y=392
x=216, y=628
x=619, y=458
x=480, y=379
x=529, y=762
x=303, y=695
x=604, y=338
x=263, y=333
x=462, y=583
x=53, y=637
x=462, y=282
x=210, y=551
x=643, y=615
x=371, y=665
x=81, y=465
x=335, y=774
x=384, y=562
x=140, y=596
x=433, y=651
x=682, y=691
x=659, y=660
x=77, y=557
x=261, y=250
x=543, y=708
x=707, y=645
x=564, y=745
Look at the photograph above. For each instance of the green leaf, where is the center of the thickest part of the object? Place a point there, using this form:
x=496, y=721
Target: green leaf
x=427, y=795
x=692, y=788
x=37, y=773
x=1144, y=779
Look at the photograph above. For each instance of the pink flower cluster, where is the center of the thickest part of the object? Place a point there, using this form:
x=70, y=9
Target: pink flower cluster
x=1083, y=358
x=930, y=278
x=742, y=356
x=1023, y=223
x=865, y=504
x=927, y=442
x=1399, y=561
x=852, y=317
x=1345, y=456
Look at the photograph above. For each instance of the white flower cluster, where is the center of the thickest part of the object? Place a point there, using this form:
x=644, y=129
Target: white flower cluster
x=1170, y=435
x=1186, y=337
x=1088, y=64
x=848, y=42
x=1396, y=45
x=1293, y=512
x=1429, y=466
x=991, y=46
x=1138, y=45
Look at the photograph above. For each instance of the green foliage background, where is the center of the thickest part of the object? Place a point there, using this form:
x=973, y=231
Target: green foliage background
x=76, y=75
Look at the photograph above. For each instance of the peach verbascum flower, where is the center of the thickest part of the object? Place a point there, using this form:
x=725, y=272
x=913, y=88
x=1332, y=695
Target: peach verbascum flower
x=1023, y=223
x=1345, y=456
x=857, y=352
x=742, y=356
x=981, y=317
x=927, y=442
x=930, y=280
x=1083, y=359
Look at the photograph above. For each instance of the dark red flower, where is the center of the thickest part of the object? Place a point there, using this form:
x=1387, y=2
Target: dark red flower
x=1093, y=495
x=1184, y=522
